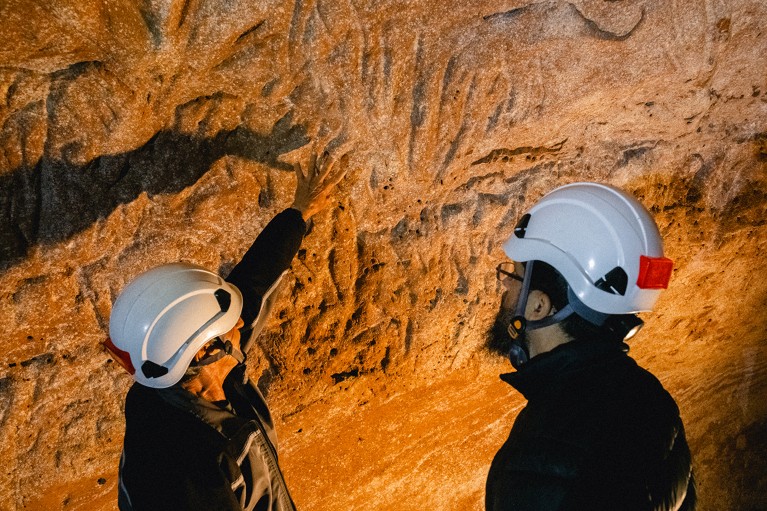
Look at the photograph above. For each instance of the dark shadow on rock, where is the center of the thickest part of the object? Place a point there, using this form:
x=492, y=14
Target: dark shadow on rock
x=56, y=199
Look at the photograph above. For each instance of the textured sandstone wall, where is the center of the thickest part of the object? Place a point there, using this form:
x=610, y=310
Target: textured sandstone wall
x=141, y=132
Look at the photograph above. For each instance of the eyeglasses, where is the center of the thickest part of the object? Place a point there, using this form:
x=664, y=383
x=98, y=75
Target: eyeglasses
x=510, y=269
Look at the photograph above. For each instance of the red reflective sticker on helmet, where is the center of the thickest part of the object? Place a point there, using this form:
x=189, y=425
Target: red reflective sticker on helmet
x=122, y=357
x=654, y=272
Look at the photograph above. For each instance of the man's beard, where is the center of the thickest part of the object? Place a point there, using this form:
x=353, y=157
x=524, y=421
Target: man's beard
x=498, y=338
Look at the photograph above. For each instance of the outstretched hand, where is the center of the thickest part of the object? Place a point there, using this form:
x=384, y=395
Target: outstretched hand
x=313, y=188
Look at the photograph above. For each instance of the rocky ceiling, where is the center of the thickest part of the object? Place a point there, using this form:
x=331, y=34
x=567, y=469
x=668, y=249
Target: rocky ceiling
x=141, y=132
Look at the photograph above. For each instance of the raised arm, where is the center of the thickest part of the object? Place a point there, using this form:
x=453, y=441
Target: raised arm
x=274, y=249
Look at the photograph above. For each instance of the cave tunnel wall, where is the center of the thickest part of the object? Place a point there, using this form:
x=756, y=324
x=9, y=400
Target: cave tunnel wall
x=137, y=133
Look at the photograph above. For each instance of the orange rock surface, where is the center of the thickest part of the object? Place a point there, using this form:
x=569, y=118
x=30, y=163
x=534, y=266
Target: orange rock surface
x=137, y=133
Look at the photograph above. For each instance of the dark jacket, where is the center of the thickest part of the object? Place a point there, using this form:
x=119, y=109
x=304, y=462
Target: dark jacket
x=598, y=433
x=183, y=452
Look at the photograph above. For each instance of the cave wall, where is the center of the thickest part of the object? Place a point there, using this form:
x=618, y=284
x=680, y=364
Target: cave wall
x=137, y=133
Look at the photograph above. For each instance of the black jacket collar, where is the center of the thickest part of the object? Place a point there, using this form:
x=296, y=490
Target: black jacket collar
x=549, y=370
x=220, y=419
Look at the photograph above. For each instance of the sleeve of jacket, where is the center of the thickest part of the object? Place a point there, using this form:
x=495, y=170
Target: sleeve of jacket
x=533, y=473
x=266, y=260
x=526, y=491
x=672, y=482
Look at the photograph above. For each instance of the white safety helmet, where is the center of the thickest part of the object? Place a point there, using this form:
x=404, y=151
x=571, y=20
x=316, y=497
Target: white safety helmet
x=603, y=242
x=165, y=316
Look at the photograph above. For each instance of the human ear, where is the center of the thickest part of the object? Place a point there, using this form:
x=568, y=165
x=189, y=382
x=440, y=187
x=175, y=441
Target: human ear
x=538, y=305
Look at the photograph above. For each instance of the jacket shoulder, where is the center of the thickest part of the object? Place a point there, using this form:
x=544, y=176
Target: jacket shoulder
x=171, y=460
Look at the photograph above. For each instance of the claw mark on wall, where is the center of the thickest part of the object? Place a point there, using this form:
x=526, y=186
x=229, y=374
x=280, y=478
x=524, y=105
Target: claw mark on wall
x=408, y=336
x=486, y=203
x=368, y=73
x=240, y=48
x=634, y=153
x=153, y=24
x=418, y=110
x=184, y=13
x=505, y=155
x=294, y=24
x=462, y=129
x=249, y=31
x=450, y=210
x=447, y=78
x=386, y=55
x=507, y=15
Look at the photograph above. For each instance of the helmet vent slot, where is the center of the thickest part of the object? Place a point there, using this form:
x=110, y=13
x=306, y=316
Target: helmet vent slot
x=521, y=228
x=614, y=282
x=224, y=299
x=152, y=370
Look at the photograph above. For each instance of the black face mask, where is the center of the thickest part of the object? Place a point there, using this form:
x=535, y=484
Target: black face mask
x=518, y=352
x=500, y=342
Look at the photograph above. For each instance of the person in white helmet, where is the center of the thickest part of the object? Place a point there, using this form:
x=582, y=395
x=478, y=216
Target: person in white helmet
x=598, y=432
x=198, y=433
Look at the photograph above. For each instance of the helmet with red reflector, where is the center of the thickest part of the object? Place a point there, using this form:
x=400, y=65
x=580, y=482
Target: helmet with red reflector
x=603, y=242
x=654, y=272
x=164, y=316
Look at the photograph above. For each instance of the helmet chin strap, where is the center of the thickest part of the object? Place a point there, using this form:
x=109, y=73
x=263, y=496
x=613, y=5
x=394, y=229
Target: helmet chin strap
x=623, y=325
x=227, y=349
x=518, y=322
x=518, y=352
